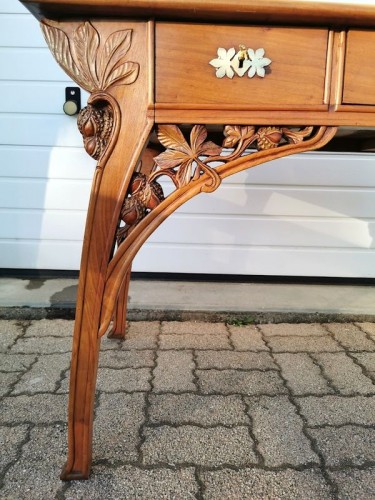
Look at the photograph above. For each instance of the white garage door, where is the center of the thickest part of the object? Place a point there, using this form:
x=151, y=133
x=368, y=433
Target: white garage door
x=307, y=215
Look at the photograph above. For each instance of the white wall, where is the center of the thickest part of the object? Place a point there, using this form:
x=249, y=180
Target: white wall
x=307, y=215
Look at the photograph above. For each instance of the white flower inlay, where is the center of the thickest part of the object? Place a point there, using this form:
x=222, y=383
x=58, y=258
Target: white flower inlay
x=257, y=62
x=228, y=63
x=223, y=62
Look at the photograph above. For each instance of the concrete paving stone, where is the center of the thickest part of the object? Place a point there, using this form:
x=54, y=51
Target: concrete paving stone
x=247, y=338
x=39, y=409
x=350, y=336
x=368, y=328
x=255, y=484
x=348, y=445
x=117, y=423
x=16, y=362
x=11, y=439
x=366, y=359
x=44, y=374
x=64, y=384
x=143, y=327
x=107, y=344
x=192, y=341
x=141, y=335
x=194, y=445
x=302, y=374
x=42, y=345
x=174, y=372
x=127, y=379
x=288, y=329
x=132, y=483
x=193, y=327
x=345, y=375
x=6, y=380
x=303, y=344
x=235, y=360
x=279, y=432
x=193, y=409
x=50, y=328
x=236, y=381
x=126, y=359
x=338, y=410
x=9, y=331
x=35, y=475
x=355, y=484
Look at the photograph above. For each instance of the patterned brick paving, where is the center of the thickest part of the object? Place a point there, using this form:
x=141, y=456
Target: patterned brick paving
x=195, y=410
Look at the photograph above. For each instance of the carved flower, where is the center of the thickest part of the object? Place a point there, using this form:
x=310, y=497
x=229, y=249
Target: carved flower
x=223, y=62
x=257, y=62
x=183, y=155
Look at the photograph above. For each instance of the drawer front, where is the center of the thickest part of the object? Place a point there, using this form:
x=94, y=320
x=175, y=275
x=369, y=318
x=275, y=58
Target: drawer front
x=295, y=77
x=359, y=75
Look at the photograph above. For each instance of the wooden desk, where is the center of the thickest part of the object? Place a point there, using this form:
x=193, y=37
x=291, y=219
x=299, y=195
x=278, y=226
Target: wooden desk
x=272, y=78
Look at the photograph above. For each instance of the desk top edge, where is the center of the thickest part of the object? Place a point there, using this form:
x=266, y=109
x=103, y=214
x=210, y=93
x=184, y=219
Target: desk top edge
x=303, y=12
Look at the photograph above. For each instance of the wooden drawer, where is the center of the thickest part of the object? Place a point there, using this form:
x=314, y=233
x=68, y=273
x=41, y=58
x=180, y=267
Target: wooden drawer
x=359, y=75
x=295, y=77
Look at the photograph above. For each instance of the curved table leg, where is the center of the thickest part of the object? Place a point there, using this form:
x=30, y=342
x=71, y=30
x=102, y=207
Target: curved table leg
x=118, y=329
x=115, y=126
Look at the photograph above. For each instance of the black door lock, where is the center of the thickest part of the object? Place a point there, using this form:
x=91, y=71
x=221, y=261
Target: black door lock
x=72, y=104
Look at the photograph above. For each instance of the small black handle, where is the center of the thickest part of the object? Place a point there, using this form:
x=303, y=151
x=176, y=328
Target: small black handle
x=72, y=104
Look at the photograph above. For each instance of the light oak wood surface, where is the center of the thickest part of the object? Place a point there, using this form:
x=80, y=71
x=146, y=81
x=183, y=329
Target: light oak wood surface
x=359, y=74
x=307, y=12
x=295, y=77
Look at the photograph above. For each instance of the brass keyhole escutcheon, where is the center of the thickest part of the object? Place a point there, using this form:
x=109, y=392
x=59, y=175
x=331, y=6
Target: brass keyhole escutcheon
x=242, y=55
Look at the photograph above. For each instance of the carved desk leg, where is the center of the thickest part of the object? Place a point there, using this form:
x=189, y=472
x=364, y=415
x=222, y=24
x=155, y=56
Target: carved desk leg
x=116, y=127
x=118, y=329
x=119, y=319
x=110, y=60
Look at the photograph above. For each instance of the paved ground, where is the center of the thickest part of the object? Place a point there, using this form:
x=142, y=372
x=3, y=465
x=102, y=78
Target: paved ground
x=196, y=410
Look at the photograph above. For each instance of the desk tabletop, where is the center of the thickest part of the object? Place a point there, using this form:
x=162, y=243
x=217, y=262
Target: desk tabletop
x=304, y=12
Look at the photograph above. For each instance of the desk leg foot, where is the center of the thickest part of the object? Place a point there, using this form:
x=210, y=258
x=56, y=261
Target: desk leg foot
x=72, y=475
x=118, y=330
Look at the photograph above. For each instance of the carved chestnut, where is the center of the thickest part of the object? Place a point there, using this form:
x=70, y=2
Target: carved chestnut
x=269, y=137
x=95, y=124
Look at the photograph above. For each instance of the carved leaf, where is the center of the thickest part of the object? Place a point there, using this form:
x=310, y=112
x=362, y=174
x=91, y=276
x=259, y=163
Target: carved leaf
x=125, y=74
x=184, y=173
x=200, y=148
x=296, y=136
x=234, y=133
x=86, y=44
x=171, y=137
x=58, y=42
x=170, y=158
x=198, y=135
x=115, y=48
x=209, y=148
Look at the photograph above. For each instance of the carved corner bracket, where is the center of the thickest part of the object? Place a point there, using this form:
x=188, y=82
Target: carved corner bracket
x=186, y=161
x=243, y=147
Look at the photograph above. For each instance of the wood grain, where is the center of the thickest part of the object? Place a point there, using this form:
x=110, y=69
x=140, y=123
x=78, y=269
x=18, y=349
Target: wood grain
x=359, y=77
x=319, y=12
x=296, y=75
